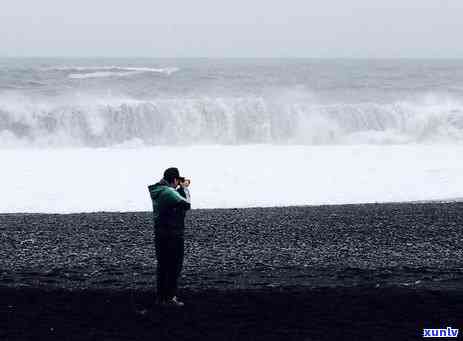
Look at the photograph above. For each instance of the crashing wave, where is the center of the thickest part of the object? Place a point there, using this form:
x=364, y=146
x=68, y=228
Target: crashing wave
x=226, y=121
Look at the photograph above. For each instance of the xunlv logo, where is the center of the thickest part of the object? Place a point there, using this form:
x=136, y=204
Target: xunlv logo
x=449, y=332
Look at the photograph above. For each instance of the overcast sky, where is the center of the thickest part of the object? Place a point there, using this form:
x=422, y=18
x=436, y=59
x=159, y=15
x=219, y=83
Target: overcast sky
x=232, y=28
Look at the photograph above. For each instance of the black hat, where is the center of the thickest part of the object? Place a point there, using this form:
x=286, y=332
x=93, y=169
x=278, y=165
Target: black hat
x=171, y=173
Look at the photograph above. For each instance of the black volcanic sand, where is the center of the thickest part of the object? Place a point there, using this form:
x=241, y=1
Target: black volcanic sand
x=349, y=272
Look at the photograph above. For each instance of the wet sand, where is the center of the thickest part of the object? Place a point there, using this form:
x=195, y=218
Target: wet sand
x=349, y=272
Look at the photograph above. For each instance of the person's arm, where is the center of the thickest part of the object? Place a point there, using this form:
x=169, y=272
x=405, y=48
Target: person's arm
x=185, y=205
x=177, y=200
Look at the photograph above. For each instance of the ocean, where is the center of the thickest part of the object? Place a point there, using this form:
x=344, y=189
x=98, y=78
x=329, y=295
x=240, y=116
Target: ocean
x=84, y=135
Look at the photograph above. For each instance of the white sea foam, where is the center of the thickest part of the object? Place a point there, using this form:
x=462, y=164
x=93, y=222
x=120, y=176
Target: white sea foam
x=115, y=179
x=100, y=74
x=128, y=71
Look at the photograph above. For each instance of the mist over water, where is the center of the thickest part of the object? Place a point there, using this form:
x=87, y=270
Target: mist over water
x=96, y=103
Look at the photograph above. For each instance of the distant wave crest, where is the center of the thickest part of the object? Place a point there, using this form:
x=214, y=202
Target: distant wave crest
x=116, y=122
x=82, y=72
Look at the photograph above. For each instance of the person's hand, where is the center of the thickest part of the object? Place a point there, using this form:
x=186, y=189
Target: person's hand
x=185, y=183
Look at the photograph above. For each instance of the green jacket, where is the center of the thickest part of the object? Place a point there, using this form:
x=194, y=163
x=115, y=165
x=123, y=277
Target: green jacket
x=168, y=208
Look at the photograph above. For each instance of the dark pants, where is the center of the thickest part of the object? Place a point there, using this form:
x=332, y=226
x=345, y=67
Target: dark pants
x=169, y=254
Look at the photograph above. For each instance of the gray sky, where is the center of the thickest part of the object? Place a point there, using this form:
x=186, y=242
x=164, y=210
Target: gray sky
x=238, y=28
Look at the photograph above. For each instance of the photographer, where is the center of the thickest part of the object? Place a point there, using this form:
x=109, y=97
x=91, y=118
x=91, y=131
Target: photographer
x=169, y=210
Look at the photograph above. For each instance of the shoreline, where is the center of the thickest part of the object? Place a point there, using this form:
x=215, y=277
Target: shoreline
x=426, y=201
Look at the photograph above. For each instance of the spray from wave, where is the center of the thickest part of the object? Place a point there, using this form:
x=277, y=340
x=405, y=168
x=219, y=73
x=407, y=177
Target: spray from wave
x=93, y=122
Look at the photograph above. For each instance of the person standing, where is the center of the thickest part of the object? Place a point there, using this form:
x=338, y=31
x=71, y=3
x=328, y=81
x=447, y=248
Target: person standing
x=169, y=208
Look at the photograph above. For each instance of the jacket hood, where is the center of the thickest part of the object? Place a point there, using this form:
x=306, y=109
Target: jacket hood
x=156, y=189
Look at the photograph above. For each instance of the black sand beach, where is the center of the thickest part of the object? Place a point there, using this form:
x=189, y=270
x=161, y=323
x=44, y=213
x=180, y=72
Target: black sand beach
x=349, y=272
